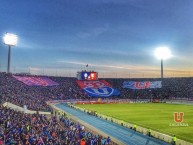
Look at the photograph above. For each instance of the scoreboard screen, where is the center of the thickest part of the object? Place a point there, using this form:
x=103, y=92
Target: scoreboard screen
x=89, y=76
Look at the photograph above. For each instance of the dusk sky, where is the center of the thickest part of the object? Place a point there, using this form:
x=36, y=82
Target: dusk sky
x=114, y=37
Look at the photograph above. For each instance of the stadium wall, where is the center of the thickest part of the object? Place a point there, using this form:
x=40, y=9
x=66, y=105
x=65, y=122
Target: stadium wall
x=176, y=101
x=18, y=108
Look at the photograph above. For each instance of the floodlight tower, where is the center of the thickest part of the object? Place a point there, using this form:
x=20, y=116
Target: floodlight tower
x=10, y=40
x=162, y=53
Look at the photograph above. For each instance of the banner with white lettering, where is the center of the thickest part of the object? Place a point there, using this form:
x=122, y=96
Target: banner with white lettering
x=142, y=85
x=98, y=88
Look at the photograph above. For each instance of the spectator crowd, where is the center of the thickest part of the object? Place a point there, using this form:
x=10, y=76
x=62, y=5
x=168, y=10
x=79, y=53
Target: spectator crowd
x=171, y=88
x=18, y=128
x=35, y=97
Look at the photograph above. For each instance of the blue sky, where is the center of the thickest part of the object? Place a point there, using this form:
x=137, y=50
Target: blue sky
x=119, y=37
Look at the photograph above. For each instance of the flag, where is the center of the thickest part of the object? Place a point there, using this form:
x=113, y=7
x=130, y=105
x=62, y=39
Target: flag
x=98, y=88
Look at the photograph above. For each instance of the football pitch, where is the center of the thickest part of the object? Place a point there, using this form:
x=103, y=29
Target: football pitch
x=157, y=116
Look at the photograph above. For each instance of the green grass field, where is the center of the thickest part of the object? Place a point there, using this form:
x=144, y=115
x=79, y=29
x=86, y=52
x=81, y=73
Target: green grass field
x=155, y=116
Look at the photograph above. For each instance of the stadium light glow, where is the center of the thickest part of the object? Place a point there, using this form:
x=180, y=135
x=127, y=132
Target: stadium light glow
x=10, y=40
x=162, y=53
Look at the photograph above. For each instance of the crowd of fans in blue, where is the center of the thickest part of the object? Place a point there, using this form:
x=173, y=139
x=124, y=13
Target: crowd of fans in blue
x=171, y=88
x=27, y=129
x=34, y=97
x=19, y=128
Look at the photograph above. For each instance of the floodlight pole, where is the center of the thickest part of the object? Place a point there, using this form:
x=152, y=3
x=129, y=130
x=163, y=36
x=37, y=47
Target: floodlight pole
x=10, y=40
x=9, y=59
x=162, y=68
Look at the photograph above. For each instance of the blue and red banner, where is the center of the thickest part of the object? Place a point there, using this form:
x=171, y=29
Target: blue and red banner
x=36, y=81
x=98, y=88
x=142, y=85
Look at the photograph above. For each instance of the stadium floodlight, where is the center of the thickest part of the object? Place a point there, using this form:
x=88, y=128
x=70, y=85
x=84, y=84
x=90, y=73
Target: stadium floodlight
x=162, y=53
x=10, y=40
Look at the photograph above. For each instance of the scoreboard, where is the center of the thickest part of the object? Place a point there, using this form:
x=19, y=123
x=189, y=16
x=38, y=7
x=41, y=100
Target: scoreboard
x=87, y=75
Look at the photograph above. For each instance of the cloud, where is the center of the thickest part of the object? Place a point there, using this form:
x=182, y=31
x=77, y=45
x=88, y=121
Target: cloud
x=124, y=67
x=34, y=68
x=93, y=32
x=107, y=66
x=71, y=62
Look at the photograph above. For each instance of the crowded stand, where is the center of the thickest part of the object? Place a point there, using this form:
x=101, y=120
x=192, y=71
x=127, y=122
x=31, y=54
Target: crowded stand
x=172, y=88
x=34, y=97
x=19, y=128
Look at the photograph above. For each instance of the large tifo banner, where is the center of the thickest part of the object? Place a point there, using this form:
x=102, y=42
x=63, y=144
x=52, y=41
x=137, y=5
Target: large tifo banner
x=142, y=85
x=98, y=88
x=36, y=81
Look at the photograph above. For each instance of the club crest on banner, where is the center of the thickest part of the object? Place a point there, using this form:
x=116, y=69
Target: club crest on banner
x=98, y=88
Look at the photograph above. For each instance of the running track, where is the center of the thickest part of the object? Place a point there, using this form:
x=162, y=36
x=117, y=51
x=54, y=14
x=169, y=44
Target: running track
x=125, y=135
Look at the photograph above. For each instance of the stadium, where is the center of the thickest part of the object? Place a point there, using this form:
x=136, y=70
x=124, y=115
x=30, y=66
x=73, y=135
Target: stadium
x=84, y=74
x=149, y=108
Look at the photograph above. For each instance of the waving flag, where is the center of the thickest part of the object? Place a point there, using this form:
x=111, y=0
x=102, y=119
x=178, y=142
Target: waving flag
x=36, y=81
